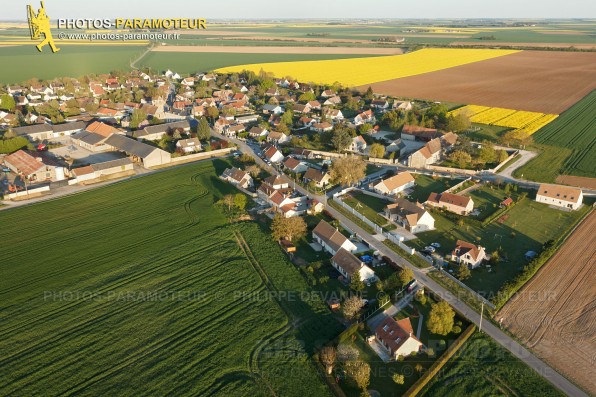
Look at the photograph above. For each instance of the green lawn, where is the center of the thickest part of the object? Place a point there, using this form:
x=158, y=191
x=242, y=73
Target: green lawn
x=528, y=226
x=186, y=62
x=484, y=132
x=425, y=185
x=21, y=63
x=482, y=368
x=487, y=199
x=368, y=206
x=142, y=287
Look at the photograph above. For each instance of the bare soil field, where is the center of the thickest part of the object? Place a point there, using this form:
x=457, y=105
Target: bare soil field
x=293, y=39
x=281, y=50
x=490, y=43
x=580, y=181
x=539, y=81
x=554, y=314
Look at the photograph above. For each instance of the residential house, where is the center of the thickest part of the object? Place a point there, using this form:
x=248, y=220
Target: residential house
x=315, y=105
x=277, y=138
x=395, y=184
x=301, y=109
x=412, y=216
x=358, y=144
x=405, y=106
x=468, y=253
x=238, y=177
x=306, y=121
x=380, y=104
x=321, y=127
x=234, y=130
x=331, y=239
x=347, y=264
x=457, y=204
x=156, y=132
x=189, y=145
x=221, y=125
x=333, y=101
x=294, y=165
x=429, y=154
x=333, y=114
x=327, y=94
x=321, y=179
x=304, y=154
x=272, y=109
x=273, y=155
x=417, y=133
x=397, y=337
x=256, y=132
x=365, y=117
x=35, y=166
x=560, y=196
x=277, y=182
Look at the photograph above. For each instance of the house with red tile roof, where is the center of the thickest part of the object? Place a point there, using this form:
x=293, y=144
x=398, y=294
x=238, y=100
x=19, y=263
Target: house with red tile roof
x=461, y=205
x=468, y=253
x=397, y=337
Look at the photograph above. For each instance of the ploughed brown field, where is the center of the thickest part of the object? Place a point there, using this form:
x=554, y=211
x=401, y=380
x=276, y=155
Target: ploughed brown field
x=581, y=181
x=554, y=313
x=539, y=81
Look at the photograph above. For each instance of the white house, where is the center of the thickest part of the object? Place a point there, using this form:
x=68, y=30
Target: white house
x=395, y=184
x=273, y=155
x=348, y=264
x=358, y=144
x=365, y=117
x=237, y=177
x=397, y=337
x=331, y=239
x=190, y=145
x=295, y=165
x=560, y=196
x=412, y=216
x=468, y=253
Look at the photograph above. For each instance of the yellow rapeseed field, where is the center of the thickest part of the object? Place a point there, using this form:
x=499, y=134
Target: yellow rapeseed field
x=360, y=71
x=520, y=120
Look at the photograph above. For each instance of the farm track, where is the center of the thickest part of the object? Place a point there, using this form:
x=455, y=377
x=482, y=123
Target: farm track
x=554, y=312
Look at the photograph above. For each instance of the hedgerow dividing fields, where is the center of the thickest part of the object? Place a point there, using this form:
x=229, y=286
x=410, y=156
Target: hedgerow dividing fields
x=572, y=133
x=141, y=287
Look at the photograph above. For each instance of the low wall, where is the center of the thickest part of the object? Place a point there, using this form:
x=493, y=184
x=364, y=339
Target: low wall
x=451, y=170
x=502, y=163
x=200, y=156
x=394, y=239
x=381, y=161
x=24, y=193
x=454, y=187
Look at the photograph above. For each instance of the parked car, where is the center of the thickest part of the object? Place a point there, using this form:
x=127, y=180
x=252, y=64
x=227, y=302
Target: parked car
x=436, y=245
x=5, y=169
x=429, y=249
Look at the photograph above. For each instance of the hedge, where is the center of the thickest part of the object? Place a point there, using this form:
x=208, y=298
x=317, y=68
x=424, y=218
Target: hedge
x=12, y=145
x=329, y=379
x=351, y=217
x=497, y=214
x=441, y=361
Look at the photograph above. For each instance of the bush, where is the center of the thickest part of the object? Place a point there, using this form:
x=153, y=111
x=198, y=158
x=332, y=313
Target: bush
x=12, y=145
x=456, y=329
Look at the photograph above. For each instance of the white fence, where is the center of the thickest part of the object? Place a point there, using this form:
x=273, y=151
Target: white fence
x=398, y=240
x=376, y=228
x=27, y=192
x=200, y=156
x=502, y=163
x=454, y=187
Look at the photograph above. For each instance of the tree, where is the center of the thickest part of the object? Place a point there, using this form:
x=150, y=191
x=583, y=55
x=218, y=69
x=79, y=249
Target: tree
x=463, y=271
x=352, y=306
x=487, y=153
x=328, y=356
x=306, y=97
x=228, y=201
x=369, y=93
x=240, y=201
x=359, y=371
x=419, y=368
x=398, y=378
x=356, y=283
x=7, y=102
x=288, y=117
x=430, y=352
x=348, y=170
x=376, y=150
x=137, y=117
x=9, y=134
x=212, y=113
x=460, y=158
x=347, y=352
x=406, y=275
x=458, y=123
x=203, y=129
x=253, y=170
x=440, y=319
x=501, y=155
x=288, y=228
x=364, y=128
x=341, y=139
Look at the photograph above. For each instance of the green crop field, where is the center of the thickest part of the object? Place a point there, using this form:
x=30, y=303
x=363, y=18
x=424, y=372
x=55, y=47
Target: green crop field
x=142, y=288
x=483, y=368
x=21, y=63
x=185, y=62
x=568, y=144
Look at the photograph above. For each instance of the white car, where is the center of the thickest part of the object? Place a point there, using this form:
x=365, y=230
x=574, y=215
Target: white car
x=429, y=249
x=436, y=245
